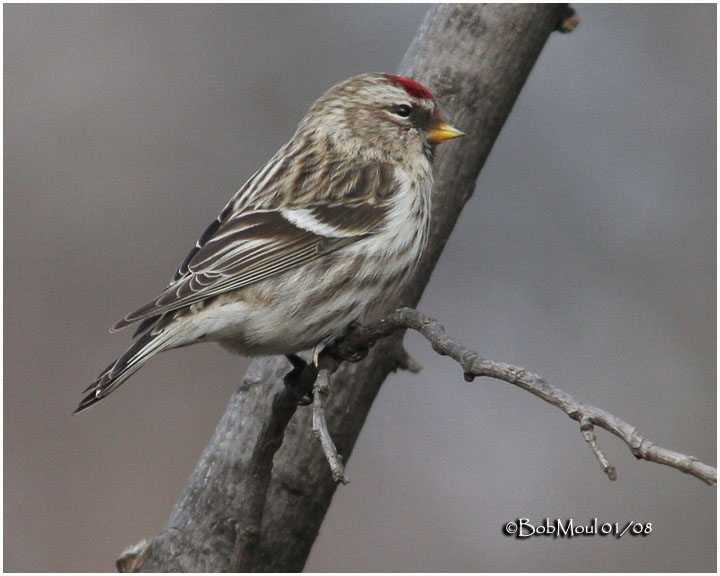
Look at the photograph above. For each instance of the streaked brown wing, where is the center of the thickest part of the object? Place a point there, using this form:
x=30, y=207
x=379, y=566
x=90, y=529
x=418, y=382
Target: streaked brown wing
x=248, y=248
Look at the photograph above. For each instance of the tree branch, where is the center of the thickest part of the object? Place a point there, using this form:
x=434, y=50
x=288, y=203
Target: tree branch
x=475, y=59
x=473, y=366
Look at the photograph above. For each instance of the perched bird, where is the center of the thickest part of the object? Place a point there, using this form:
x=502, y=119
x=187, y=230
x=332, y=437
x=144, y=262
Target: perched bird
x=317, y=239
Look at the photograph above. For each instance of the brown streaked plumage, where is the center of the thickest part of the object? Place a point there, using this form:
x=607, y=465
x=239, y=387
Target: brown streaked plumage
x=313, y=241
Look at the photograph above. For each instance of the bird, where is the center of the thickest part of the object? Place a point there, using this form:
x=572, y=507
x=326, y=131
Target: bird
x=317, y=240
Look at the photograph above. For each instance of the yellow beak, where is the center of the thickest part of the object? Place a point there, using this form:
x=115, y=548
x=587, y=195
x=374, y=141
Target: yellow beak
x=442, y=131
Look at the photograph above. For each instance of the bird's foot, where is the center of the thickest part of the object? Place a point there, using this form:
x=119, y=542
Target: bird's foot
x=299, y=381
x=356, y=354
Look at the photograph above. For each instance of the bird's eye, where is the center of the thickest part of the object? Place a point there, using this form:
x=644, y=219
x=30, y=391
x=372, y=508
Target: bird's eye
x=402, y=110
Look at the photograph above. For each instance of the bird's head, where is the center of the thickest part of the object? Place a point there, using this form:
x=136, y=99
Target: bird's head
x=380, y=116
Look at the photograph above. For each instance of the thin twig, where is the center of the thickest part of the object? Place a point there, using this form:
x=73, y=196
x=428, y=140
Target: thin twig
x=319, y=423
x=473, y=365
x=588, y=431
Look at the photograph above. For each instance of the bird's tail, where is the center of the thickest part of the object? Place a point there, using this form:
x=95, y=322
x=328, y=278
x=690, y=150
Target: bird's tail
x=144, y=348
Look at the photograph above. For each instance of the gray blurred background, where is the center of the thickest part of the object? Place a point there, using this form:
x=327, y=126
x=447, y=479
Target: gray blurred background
x=587, y=254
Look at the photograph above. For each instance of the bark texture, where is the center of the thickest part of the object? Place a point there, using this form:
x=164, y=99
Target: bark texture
x=257, y=498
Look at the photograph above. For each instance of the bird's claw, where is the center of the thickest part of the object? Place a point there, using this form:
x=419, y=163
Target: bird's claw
x=356, y=355
x=299, y=381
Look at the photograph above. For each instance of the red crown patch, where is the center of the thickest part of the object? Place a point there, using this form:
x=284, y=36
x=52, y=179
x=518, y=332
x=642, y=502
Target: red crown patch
x=413, y=88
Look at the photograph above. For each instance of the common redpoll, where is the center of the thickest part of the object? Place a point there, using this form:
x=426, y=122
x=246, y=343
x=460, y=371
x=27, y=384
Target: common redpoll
x=317, y=239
